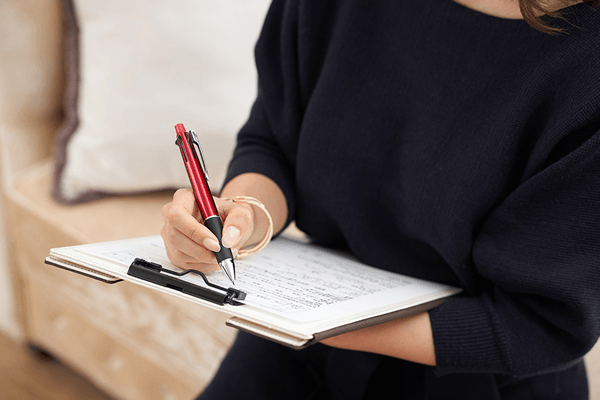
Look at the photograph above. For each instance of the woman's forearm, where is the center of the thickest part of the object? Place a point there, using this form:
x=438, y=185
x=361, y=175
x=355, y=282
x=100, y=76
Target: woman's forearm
x=409, y=338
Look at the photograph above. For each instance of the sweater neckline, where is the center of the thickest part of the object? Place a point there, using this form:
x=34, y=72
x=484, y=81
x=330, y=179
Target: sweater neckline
x=464, y=15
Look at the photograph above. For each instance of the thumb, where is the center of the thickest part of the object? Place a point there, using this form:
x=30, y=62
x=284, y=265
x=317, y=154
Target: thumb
x=238, y=222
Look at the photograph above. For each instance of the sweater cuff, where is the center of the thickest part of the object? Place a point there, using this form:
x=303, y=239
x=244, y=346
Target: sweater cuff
x=270, y=168
x=468, y=338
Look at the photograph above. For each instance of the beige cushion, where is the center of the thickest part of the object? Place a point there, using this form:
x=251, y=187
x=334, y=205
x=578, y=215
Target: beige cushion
x=144, y=67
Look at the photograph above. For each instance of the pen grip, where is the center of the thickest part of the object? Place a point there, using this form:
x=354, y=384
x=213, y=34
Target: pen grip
x=215, y=225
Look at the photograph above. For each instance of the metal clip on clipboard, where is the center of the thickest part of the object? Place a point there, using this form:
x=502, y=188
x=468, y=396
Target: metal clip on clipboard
x=155, y=273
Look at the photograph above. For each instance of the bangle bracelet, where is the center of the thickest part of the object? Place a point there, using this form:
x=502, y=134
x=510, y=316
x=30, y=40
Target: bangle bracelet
x=267, y=238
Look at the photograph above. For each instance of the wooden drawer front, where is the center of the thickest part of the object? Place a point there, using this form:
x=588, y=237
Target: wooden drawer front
x=112, y=364
x=114, y=367
x=172, y=334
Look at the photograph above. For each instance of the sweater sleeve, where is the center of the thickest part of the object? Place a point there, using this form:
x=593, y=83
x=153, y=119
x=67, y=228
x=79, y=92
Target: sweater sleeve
x=263, y=143
x=257, y=151
x=540, y=249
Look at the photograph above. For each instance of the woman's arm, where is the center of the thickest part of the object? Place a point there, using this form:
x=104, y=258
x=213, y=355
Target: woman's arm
x=408, y=338
x=190, y=245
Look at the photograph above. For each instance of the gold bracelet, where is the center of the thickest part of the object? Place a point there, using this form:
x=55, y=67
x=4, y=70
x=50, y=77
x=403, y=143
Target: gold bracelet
x=267, y=238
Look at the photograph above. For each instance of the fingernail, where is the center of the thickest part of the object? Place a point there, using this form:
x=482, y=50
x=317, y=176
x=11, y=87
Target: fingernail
x=235, y=252
x=231, y=236
x=212, y=244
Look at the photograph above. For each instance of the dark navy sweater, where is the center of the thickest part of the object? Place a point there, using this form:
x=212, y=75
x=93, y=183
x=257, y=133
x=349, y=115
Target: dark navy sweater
x=432, y=140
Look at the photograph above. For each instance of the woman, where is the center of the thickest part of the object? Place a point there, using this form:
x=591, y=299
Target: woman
x=456, y=143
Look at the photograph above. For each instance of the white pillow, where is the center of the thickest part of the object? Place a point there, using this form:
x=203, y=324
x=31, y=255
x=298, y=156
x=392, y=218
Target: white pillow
x=136, y=69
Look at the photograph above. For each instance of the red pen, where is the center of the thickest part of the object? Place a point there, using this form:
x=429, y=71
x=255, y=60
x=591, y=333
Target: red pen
x=196, y=170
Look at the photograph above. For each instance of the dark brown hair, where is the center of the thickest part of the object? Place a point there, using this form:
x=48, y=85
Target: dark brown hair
x=533, y=10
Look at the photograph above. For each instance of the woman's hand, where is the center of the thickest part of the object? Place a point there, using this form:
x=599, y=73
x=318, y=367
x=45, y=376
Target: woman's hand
x=189, y=244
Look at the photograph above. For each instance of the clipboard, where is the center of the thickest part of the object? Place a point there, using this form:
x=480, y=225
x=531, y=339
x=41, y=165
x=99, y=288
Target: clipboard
x=155, y=273
x=288, y=327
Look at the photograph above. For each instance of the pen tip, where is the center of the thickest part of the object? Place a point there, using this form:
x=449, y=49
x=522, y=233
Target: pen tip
x=228, y=267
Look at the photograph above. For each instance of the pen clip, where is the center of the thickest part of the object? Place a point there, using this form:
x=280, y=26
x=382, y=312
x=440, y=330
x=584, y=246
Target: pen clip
x=193, y=139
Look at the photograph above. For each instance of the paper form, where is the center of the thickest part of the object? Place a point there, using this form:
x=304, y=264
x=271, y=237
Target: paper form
x=289, y=279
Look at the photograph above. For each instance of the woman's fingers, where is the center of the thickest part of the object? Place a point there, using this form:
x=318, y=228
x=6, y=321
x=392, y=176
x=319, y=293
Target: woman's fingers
x=185, y=230
x=189, y=243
